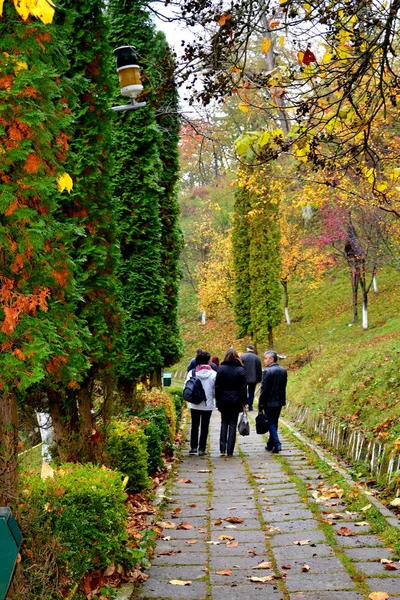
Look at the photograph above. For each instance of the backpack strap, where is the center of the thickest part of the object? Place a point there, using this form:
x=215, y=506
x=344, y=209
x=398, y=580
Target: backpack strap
x=193, y=372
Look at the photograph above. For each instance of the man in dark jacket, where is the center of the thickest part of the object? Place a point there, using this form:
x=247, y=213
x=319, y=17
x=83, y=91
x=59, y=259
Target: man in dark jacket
x=252, y=366
x=273, y=397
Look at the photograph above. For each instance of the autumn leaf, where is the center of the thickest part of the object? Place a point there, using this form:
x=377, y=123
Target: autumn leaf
x=223, y=19
x=286, y=566
x=392, y=567
x=218, y=522
x=308, y=57
x=185, y=481
x=244, y=107
x=176, y=511
x=193, y=506
x=231, y=507
x=265, y=45
x=185, y=526
x=367, y=507
x=378, y=596
x=209, y=508
x=386, y=561
x=262, y=579
x=263, y=565
x=232, y=544
x=64, y=182
x=395, y=502
x=305, y=568
x=230, y=527
x=360, y=523
x=213, y=543
x=179, y=582
x=274, y=24
x=190, y=542
x=301, y=542
x=345, y=531
x=166, y=525
x=226, y=572
x=228, y=538
x=234, y=520
x=204, y=471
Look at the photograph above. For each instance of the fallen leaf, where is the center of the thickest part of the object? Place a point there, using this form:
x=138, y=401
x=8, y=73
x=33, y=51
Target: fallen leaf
x=226, y=572
x=395, y=502
x=110, y=570
x=202, y=530
x=364, y=509
x=305, y=568
x=193, y=505
x=176, y=511
x=230, y=527
x=179, y=582
x=334, y=516
x=234, y=520
x=301, y=542
x=360, y=523
x=392, y=567
x=191, y=542
x=228, y=538
x=286, y=566
x=185, y=526
x=166, y=538
x=259, y=476
x=263, y=565
x=386, y=561
x=218, y=522
x=213, y=543
x=378, y=596
x=231, y=507
x=327, y=521
x=252, y=551
x=185, y=481
x=345, y=531
x=209, y=508
x=232, y=544
x=166, y=524
x=204, y=471
x=262, y=579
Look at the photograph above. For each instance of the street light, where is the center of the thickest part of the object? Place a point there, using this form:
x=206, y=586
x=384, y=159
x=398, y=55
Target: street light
x=129, y=77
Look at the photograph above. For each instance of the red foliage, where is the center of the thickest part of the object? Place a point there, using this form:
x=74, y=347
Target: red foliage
x=32, y=164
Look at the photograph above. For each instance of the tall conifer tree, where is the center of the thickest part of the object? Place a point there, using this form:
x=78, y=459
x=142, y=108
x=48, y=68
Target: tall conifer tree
x=241, y=259
x=40, y=336
x=137, y=187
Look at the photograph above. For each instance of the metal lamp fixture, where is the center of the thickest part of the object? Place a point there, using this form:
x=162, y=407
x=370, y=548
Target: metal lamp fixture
x=129, y=77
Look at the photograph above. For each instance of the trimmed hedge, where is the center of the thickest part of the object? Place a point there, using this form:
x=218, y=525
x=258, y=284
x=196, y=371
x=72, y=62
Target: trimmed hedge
x=127, y=452
x=72, y=523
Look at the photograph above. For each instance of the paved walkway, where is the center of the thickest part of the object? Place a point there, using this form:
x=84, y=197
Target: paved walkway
x=232, y=520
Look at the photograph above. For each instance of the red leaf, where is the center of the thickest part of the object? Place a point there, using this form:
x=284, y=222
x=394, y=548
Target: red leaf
x=308, y=57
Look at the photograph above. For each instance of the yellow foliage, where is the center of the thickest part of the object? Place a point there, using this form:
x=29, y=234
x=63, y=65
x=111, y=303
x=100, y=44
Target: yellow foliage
x=42, y=9
x=266, y=45
x=64, y=182
x=215, y=276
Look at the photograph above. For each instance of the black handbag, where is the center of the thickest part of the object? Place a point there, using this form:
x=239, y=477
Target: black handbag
x=262, y=425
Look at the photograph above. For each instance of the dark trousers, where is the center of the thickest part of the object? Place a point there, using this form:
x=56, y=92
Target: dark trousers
x=251, y=388
x=273, y=418
x=227, y=436
x=200, y=420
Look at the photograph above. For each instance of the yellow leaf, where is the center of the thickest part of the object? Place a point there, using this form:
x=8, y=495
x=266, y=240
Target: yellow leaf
x=367, y=507
x=307, y=7
x=20, y=65
x=47, y=471
x=396, y=444
x=180, y=582
x=381, y=186
x=378, y=596
x=23, y=8
x=300, y=56
x=125, y=482
x=43, y=10
x=264, y=139
x=64, y=182
x=281, y=40
x=266, y=45
x=244, y=107
x=1, y=7
x=395, y=502
x=262, y=579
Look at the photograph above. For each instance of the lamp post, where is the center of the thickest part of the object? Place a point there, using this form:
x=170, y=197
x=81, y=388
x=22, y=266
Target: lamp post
x=129, y=77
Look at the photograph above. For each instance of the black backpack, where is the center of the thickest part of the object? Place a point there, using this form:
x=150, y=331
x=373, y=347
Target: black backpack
x=193, y=391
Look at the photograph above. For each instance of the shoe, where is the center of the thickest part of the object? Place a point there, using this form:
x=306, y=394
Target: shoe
x=276, y=450
x=223, y=452
x=229, y=454
x=192, y=451
x=202, y=452
x=268, y=449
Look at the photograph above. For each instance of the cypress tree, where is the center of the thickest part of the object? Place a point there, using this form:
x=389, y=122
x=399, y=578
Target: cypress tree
x=91, y=208
x=166, y=97
x=241, y=259
x=137, y=188
x=40, y=336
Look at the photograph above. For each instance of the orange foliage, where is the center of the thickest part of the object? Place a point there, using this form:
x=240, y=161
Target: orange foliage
x=32, y=164
x=6, y=82
x=14, y=304
x=61, y=276
x=13, y=206
x=18, y=263
x=19, y=354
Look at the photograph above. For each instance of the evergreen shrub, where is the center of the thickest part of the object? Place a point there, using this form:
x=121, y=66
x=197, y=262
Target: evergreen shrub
x=78, y=517
x=156, y=399
x=154, y=447
x=175, y=393
x=127, y=452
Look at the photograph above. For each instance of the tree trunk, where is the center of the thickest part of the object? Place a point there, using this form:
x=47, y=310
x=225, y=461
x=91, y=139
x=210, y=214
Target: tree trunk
x=270, y=337
x=65, y=424
x=155, y=379
x=286, y=297
x=365, y=311
x=355, y=281
x=87, y=449
x=8, y=449
x=375, y=284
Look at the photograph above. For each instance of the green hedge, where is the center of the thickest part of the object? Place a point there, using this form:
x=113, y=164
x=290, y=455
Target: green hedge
x=175, y=393
x=71, y=524
x=127, y=452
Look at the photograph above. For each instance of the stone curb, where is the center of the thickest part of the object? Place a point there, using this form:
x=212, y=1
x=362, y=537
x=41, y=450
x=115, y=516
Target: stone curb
x=385, y=512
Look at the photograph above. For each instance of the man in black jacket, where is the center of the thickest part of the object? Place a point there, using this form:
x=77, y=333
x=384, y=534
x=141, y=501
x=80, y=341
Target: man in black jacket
x=252, y=366
x=273, y=397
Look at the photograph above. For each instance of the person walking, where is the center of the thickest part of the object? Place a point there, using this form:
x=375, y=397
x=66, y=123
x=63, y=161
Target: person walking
x=252, y=367
x=214, y=363
x=231, y=398
x=273, y=397
x=201, y=413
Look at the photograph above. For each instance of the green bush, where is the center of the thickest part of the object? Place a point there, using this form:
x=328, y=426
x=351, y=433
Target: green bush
x=127, y=452
x=154, y=447
x=177, y=398
x=79, y=516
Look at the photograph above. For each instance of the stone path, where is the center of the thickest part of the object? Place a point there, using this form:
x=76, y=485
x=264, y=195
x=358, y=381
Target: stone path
x=278, y=522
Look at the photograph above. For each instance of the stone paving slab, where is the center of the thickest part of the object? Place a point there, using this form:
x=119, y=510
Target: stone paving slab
x=243, y=592
x=302, y=552
x=359, y=541
x=284, y=539
x=368, y=553
x=376, y=568
x=241, y=550
x=182, y=558
x=389, y=585
x=326, y=596
x=180, y=546
x=300, y=525
x=317, y=565
x=314, y=582
x=159, y=589
x=286, y=515
x=288, y=490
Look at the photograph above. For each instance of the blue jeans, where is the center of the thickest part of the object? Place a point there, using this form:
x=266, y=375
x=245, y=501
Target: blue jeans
x=273, y=417
x=251, y=388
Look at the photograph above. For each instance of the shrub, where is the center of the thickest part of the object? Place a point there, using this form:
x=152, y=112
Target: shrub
x=78, y=519
x=127, y=452
x=177, y=398
x=156, y=399
x=154, y=447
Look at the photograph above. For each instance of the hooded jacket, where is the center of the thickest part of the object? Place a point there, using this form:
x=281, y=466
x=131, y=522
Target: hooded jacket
x=230, y=386
x=207, y=376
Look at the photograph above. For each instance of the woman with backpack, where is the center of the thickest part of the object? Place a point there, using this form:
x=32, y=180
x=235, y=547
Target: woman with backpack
x=231, y=398
x=200, y=412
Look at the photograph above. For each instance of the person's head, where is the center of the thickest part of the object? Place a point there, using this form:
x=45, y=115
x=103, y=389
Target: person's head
x=231, y=354
x=215, y=360
x=198, y=351
x=250, y=348
x=202, y=357
x=270, y=357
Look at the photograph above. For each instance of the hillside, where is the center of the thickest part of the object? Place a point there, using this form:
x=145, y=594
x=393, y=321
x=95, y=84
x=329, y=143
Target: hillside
x=336, y=368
